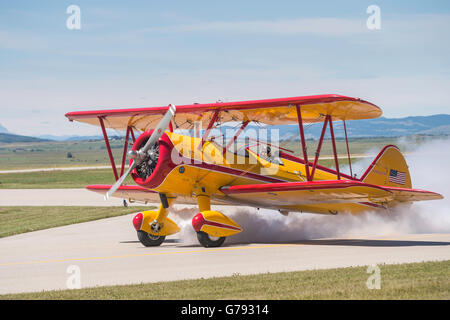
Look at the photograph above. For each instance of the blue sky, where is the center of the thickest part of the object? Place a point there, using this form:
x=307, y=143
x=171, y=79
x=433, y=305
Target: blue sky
x=152, y=53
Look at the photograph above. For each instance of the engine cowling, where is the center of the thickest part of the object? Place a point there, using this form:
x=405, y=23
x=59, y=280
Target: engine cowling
x=151, y=172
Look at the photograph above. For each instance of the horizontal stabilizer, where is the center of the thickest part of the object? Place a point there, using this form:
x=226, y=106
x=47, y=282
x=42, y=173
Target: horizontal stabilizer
x=406, y=195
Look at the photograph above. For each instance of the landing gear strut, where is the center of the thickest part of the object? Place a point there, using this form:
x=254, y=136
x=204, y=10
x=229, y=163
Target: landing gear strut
x=212, y=227
x=153, y=226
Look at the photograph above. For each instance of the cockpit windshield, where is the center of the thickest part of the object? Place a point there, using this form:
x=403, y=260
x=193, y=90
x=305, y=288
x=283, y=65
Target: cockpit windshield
x=265, y=150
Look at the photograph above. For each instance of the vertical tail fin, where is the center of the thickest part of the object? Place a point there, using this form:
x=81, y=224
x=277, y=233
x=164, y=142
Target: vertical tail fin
x=389, y=168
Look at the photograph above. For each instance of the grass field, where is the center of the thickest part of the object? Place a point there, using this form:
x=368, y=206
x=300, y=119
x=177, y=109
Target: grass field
x=58, y=179
x=55, y=154
x=426, y=280
x=93, y=153
x=14, y=220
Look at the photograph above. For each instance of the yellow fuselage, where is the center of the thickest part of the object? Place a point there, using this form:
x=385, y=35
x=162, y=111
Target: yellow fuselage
x=205, y=169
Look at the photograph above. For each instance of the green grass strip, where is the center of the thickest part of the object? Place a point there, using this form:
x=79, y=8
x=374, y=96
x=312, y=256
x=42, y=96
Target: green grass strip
x=425, y=280
x=14, y=220
x=58, y=179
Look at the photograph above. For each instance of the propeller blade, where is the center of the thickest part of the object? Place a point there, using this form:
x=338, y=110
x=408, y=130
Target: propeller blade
x=159, y=130
x=157, y=133
x=120, y=181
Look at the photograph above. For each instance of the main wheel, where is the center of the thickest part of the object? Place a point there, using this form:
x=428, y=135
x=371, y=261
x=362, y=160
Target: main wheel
x=209, y=241
x=150, y=240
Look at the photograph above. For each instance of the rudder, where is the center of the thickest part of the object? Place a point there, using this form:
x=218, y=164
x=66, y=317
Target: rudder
x=389, y=168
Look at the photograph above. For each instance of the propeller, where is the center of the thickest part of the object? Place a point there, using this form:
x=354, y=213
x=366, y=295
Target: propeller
x=142, y=154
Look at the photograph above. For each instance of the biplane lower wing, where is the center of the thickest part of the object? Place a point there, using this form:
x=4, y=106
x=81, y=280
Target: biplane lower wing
x=283, y=195
x=312, y=192
x=134, y=193
x=140, y=194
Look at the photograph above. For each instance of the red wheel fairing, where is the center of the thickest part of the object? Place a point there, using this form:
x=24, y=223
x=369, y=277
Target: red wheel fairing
x=137, y=221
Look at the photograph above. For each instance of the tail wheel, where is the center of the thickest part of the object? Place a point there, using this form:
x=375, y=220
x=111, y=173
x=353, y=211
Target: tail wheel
x=209, y=241
x=150, y=240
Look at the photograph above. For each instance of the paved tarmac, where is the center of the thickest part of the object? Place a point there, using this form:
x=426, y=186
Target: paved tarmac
x=107, y=252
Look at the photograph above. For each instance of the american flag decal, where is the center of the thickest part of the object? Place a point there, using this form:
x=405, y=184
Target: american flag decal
x=397, y=176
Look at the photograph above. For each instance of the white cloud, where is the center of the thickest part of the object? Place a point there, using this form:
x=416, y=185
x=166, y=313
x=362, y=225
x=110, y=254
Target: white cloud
x=78, y=80
x=325, y=26
x=409, y=26
x=397, y=96
x=21, y=41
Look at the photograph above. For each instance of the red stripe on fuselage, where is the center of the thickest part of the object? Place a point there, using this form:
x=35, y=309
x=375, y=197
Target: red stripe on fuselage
x=236, y=172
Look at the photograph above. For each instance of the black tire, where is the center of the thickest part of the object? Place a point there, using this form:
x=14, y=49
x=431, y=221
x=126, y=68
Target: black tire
x=207, y=241
x=150, y=240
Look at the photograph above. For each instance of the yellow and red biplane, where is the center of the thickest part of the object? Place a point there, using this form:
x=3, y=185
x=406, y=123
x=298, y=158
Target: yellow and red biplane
x=199, y=169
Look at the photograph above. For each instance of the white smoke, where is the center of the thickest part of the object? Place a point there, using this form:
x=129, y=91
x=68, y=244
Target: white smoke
x=429, y=167
x=183, y=215
x=361, y=165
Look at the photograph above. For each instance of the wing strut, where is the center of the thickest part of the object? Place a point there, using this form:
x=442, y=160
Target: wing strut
x=348, y=149
x=210, y=125
x=319, y=146
x=125, y=149
x=108, y=148
x=132, y=134
x=328, y=120
x=302, y=137
x=244, y=124
x=333, y=142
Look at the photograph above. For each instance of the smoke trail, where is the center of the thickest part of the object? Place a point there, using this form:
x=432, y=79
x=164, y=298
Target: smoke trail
x=360, y=166
x=183, y=215
x=429, y=167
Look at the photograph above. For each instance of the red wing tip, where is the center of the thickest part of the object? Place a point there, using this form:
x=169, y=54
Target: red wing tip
x=106, y=187
x=98, y=187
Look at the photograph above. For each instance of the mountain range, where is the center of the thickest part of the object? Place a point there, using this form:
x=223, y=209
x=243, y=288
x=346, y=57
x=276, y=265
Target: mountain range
x=3, y=129
x=11, y=138
x=438, y=124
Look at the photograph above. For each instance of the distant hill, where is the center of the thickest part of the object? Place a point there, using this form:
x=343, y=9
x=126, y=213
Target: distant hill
x=3, y=129
x=438, y=124
x=70, y=138
x=11, y=138
x=381, y=127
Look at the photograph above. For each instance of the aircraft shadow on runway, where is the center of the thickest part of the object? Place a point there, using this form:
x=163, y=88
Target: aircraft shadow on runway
x=165, y=241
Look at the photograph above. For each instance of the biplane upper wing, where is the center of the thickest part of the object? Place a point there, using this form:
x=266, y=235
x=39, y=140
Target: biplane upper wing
x=268, y=111
x=281, y=195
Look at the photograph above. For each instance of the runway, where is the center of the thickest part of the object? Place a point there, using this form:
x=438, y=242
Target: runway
x=107, y=253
